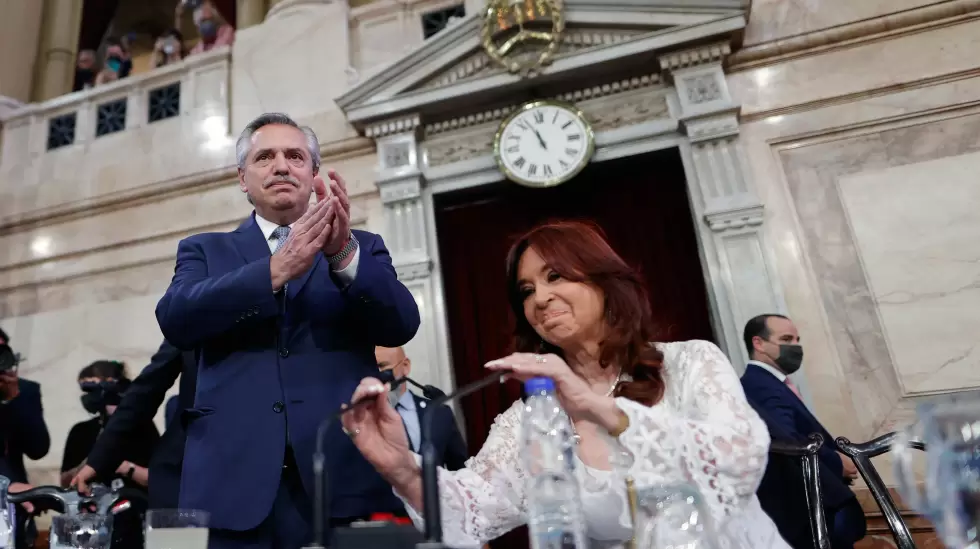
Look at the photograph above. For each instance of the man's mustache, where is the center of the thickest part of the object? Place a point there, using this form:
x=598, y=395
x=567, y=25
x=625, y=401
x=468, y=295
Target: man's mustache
x=281, y=179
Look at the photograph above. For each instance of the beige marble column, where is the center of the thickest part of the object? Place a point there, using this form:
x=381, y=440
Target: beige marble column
x=250, y=12
x=19, y=30
x=57, y=49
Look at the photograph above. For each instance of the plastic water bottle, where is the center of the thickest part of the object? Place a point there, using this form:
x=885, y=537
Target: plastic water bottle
x=554, y=505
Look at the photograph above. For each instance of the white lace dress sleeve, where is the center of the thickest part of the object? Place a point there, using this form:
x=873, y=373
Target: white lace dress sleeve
x=703, y=432
x=485, y=499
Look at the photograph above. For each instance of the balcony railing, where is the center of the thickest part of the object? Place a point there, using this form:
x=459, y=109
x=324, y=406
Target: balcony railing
x=157, y=126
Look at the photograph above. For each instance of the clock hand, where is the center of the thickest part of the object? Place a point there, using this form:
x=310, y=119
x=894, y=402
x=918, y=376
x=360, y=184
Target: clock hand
x=540, y=139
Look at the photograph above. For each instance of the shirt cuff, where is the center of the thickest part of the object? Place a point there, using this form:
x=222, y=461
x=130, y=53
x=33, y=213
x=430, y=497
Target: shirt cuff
x=347, y=275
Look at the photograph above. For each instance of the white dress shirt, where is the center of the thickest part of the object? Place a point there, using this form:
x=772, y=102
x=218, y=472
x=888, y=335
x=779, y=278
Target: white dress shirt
x=346, y=275
x=779, y=375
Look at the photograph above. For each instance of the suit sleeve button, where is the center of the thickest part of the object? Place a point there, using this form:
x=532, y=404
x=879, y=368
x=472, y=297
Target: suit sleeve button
x=278, y=407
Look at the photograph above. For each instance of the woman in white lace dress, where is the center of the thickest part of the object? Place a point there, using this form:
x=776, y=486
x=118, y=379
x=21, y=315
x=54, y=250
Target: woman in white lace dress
x=583, y=319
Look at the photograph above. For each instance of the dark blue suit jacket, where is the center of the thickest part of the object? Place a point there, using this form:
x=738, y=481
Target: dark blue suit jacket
x=445, y=435
x=22, y=431
x=787, y=411
x=170, y=410
x=781, y=490
x=265, y=357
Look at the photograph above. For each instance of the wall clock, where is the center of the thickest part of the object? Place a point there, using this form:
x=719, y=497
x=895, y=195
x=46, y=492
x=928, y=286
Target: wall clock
x=544, y=143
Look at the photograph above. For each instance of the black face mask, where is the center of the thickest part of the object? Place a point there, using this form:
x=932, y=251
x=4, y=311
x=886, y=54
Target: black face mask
x=101, y=394
x=790, y=358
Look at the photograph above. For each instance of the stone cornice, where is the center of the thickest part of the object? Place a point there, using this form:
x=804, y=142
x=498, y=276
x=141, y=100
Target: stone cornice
x=848, y=35
x=392, y=126
x=159, y=190
x=694, y=56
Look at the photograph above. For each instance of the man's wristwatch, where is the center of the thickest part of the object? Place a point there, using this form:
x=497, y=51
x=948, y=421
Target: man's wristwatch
x=348, y=249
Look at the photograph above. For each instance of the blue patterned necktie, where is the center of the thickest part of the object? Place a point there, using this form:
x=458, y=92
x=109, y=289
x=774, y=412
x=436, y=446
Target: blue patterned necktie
x=280, y=234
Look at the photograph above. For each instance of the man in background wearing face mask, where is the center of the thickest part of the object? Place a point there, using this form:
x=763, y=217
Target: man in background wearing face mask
x=774, y=348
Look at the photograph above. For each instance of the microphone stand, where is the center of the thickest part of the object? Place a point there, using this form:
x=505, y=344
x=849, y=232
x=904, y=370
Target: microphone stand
x=431, y=509
x=321, y=501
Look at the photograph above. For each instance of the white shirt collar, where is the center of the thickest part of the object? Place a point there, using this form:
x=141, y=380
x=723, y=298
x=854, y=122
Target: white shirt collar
x=267, y=226
x=407, y=400
x=779, y=375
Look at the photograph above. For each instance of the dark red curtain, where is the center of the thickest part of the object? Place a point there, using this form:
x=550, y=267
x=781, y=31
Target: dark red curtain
x=641, y=203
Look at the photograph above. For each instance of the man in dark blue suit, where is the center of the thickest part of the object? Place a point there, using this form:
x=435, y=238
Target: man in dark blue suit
x=284, y=313
x=774, y=347
x=445, y=434
x=22, y=430
x=139, y=404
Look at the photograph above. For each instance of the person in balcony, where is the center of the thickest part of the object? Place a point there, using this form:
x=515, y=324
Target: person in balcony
x=116, y=62
x=85, y=70
x=168, y=49
x=213, y=30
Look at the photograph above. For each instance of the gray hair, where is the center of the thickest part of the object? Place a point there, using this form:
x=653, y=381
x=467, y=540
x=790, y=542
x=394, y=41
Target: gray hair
x=244, y=143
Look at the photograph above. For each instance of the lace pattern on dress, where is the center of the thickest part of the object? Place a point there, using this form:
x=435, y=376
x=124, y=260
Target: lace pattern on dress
x=703, y=433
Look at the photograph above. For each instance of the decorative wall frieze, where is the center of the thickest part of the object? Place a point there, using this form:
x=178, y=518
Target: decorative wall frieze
x=455, y=148
x=739, y=218
x=592, y=92
x=392, y=126
x=695, y=56
x=413, y=270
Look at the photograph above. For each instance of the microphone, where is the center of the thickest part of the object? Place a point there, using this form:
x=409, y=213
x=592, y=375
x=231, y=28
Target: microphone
x=321, y=496
x=430, y=479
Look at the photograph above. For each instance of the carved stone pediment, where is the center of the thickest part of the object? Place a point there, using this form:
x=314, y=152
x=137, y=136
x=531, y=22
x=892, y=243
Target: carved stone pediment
x=451, y=72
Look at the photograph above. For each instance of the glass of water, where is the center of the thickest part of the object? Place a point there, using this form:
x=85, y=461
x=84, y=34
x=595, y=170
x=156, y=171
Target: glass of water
x=87, y=531
x=177, y=529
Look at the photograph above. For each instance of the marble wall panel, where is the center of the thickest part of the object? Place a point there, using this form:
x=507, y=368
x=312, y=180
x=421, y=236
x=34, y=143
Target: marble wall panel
x=295, y=62
x=812, y=171
x=856, y=70
x=917, y=234
x=774, y=19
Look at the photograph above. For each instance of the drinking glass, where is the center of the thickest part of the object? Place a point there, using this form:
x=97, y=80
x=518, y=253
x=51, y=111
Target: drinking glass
x=950, y=493
x=177, y=529
x=670, y=517
x=86, y=531
x=8, y=516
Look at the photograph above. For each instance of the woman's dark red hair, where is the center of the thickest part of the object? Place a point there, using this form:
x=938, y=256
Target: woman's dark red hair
x=578, y=252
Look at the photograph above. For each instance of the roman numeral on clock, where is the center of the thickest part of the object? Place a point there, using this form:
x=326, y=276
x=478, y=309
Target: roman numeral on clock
x=520, y=162
x=547, y=170
x=564, y=165
x=575, y=137
x=532, y=169
x=514, y=149
x=539, y=117
x=571, y=152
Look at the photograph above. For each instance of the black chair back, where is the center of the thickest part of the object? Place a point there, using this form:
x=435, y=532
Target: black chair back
x=861, y=454
x=807, y=452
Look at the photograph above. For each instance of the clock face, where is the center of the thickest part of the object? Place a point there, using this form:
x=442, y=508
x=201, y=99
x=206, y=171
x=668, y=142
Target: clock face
x=544, y=144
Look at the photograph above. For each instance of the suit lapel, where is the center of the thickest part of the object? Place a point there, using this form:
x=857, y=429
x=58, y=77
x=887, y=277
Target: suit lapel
x=249, y=240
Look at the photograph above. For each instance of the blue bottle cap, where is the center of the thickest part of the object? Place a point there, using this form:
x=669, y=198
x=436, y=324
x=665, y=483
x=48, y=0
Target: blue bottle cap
x=539, y=384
